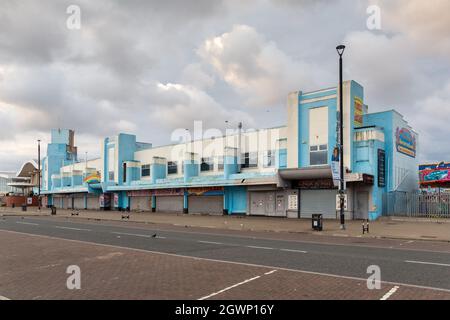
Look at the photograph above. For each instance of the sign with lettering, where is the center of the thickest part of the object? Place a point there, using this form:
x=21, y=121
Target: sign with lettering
x=358, y=112
x=381, y=168
x=167, y=192
x=292, y=202
x=406, y=142
x=316, y=184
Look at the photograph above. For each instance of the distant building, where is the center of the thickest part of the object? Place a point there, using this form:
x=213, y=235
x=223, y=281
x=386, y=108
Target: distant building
x=5, y=178
x=283, y=171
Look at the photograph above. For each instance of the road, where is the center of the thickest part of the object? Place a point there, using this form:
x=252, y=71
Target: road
x=402, y=263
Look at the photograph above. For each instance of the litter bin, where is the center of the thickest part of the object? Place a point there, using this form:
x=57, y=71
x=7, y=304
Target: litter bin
x=317, y=222
x=24, y=207
x=53, y=210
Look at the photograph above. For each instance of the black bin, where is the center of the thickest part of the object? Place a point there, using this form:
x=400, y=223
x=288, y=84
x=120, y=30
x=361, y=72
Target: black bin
x=53, y=210
x=317, y=222
x=24, y=207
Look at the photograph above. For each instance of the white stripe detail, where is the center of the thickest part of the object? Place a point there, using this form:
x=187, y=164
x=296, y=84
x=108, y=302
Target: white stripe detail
x=228, y=288
x=30, y=223
x=390, y=293
x=270, y=272
x=133, y=234
x=297, y=251
x=3, y=298
x=210, y=242
x=430, y=263
x=68, y=228
x=256, y=247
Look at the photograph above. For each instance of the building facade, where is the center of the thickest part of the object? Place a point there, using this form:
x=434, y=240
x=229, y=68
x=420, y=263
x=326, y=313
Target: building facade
x=284, y=171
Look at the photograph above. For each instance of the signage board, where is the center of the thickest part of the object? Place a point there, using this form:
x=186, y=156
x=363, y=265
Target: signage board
x=405, y=142
x=293, y=202
x=381, y=168
x=338, y=202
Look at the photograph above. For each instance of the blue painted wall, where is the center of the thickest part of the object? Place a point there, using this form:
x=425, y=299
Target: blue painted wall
x=235, y=200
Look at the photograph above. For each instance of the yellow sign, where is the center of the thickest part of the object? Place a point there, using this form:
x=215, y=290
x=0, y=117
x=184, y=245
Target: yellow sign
x=358, y=117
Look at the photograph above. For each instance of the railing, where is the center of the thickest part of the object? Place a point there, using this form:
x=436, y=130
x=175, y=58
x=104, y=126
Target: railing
x=416, y=205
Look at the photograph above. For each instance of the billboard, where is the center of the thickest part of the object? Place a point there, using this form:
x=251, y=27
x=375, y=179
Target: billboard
x=358, y=112
x=405, y=142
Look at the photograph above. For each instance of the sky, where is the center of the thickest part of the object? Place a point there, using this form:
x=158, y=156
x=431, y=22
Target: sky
x=151, y=67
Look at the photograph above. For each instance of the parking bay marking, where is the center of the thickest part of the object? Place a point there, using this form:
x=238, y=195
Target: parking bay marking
x=235, y=285
x=390, y=293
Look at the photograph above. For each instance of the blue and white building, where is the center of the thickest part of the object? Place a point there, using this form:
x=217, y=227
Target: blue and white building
x=283, y=171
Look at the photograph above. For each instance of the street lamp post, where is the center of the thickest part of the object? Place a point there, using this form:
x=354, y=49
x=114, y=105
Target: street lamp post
x=39, y=174
x=340, y=49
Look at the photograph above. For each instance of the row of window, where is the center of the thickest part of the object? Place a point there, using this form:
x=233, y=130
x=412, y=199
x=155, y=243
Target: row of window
x=249, y=160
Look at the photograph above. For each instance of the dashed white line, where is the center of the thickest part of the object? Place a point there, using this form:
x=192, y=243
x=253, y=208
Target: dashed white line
x=139, y=235
x=210, y=242
x=390, y=293
x=68, y=228
x=430, y=263
x=263, y=248
x=30, y=223
x=291, y=250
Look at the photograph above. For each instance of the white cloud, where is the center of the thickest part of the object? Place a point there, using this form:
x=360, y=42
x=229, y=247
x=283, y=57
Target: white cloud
x=255, y=67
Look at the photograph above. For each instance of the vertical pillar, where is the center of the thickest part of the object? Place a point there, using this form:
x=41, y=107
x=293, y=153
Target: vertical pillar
x=85, y=201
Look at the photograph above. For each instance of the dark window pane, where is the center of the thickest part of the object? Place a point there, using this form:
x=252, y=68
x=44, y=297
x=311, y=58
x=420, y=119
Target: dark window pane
x=318, y=158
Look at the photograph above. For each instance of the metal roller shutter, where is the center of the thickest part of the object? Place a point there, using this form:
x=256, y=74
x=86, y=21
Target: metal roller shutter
x=262, y=203
x=206, y=204
x=141, y=203
x=67, y=203
x=318, y=201
x=92, y=203
x=169, y=204
x=57, y=202
x=79, y=202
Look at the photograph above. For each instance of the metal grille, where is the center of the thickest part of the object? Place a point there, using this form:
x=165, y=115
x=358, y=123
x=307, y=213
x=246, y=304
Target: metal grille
x=416, y=205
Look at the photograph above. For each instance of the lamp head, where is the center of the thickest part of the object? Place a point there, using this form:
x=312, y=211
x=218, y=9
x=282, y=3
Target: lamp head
x=340, y=49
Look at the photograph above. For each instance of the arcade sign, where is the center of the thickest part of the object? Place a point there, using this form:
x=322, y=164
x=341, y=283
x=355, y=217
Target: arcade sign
x=405, y=142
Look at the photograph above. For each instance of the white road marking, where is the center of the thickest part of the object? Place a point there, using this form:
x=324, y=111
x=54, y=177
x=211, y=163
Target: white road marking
x=68, y=228
x=297, y=251
x=228, y=288
x=263, y=248
x=211, y=242
x=3, y=298
x=270, y=272
x=225, y=261
x=390, y=293
x=430, y=263
x=137, y=235
x=30, y=223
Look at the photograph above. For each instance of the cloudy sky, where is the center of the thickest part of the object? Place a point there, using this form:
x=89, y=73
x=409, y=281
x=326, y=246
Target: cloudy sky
x=149, y=67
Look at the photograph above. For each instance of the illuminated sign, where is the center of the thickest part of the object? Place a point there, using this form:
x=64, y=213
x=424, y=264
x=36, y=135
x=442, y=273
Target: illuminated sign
x=358, y=112
x=406, y=142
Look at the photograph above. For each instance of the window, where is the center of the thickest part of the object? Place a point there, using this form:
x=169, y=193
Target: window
x=269, y=159
x=172, y=167
x=124, y=178
x=111, y=176
x=220, y=162
x=145, y=170
x=249, y=160
x=318, y=155
x=207, y=164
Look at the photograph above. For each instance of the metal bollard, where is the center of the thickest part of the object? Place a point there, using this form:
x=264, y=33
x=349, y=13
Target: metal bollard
x=365, y=227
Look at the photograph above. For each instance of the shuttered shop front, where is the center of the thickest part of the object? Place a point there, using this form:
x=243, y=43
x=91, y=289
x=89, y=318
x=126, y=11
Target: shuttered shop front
x=318, y=202
x=140, y=200
x=93, y=202
x=206, y=200
x=169, y=200
x=78, y=201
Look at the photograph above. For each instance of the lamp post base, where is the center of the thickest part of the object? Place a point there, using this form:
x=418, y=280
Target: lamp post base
x=342, y=226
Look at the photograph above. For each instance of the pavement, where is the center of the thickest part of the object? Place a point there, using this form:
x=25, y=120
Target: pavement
x=393, y=227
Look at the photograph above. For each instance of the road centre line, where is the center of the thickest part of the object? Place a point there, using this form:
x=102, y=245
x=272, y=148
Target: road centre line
x=430, y=263
x=68, y=228
x=291, y=250
x=263, y=248
x=29, y=223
